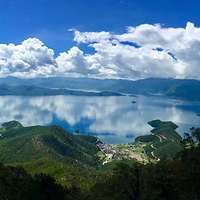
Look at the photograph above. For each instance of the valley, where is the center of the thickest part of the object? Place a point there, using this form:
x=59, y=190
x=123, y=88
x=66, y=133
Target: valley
x=51, y=148
x=82, y=162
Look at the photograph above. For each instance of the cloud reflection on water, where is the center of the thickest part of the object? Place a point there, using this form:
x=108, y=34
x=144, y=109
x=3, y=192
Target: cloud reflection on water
x=115, y=116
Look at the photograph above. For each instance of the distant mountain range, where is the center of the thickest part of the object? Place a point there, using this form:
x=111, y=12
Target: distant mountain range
x=175, y=88
x=35, y=90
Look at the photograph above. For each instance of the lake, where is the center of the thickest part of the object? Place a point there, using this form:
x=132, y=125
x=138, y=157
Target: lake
x=112, y=119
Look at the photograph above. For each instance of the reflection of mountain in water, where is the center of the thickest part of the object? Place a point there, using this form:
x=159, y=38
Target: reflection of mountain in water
x=111, y=118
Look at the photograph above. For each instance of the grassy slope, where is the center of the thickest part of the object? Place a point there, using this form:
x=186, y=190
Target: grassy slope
x=164, y=138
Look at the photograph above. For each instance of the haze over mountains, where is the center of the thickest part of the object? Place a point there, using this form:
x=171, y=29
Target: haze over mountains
x=174, y=88
x=26, y=90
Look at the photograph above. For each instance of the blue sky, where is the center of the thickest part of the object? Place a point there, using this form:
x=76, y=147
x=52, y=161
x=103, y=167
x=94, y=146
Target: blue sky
x=128, y=39
x=49, y=20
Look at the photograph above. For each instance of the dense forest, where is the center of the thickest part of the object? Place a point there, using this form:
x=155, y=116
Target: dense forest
x=169, y=179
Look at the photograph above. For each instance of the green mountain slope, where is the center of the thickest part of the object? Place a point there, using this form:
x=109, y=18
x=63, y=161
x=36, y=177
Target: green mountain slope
x=73, y=159
x=164, y=142
x=11, y=125
x=50, y=149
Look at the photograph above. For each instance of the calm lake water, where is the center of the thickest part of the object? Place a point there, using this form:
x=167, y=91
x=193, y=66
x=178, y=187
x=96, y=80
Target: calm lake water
x=112, y=119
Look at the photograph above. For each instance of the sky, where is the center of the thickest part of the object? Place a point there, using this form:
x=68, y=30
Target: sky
x=126, y=39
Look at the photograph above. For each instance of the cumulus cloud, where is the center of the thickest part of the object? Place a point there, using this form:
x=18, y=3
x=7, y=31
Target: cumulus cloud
x=31, y=58
x=75, y=62
x=140, y=52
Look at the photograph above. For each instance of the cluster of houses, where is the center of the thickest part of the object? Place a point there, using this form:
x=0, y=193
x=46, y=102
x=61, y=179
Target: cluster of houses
x=113, y=153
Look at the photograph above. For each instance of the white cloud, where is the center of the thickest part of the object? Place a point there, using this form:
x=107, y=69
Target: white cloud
x=89, y=37
x=75, y=62
x=31, y=58
x=141, y=52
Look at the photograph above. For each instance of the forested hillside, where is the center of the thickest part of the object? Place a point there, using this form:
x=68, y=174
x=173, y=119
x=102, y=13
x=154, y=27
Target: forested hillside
x=51, y=150
x=168, y=179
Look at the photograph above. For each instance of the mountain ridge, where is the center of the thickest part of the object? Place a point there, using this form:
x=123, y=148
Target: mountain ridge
x=31, y=90
x=174, y=88
x=63, y=151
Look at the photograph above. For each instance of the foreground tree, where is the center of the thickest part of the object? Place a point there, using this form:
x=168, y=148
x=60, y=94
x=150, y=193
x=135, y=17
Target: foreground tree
x=123, y=184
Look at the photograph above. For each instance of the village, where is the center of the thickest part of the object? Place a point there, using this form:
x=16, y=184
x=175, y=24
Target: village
x=110, y=152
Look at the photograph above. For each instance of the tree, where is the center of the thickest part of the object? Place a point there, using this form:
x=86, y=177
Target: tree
x=195, y=132
x=14, y=183
x=45, y=188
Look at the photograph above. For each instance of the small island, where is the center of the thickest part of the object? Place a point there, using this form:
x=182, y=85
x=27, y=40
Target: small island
x=133, y=102
x=76, y=131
